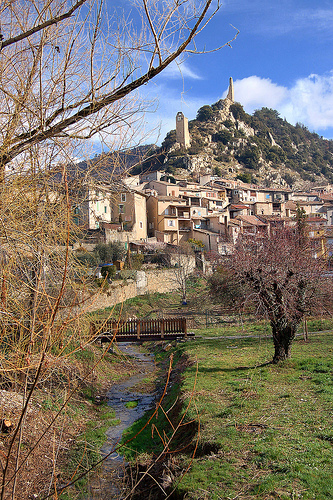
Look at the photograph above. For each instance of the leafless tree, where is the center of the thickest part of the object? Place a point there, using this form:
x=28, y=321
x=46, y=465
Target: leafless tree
x=182, y=261
x=283, y=278
x=70, y=71
x=66, y=68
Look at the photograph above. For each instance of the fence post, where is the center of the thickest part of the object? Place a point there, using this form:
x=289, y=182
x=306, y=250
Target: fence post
x=138, y=329
x=162, y=328
x=185, y=327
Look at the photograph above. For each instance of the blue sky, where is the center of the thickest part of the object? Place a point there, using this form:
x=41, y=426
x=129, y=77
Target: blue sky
x=282, y=59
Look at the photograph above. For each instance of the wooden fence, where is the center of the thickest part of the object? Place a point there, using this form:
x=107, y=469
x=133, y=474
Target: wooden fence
x=140, y=329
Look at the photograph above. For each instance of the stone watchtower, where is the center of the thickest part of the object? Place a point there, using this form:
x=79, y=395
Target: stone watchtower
x=182, y=133
x=230, y=94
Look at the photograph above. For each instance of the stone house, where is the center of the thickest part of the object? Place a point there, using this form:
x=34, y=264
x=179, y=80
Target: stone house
x=116, y=209
x=91, y=206
x=164, y=188
x=129, y=210
x=169, y=219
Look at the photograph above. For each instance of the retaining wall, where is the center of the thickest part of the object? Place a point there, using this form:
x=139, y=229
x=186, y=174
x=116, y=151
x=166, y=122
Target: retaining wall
x=146, y=282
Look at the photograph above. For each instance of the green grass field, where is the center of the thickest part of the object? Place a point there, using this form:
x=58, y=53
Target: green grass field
x=265, y=430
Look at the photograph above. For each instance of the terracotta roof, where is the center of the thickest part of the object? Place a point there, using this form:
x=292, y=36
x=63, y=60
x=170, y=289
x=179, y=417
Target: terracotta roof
x=275, y=190
x=315, y=219
x=238, y=207
x=251, y=220
x=171, y=199
x=291, y=205
x=310, y=202
x=326, y=197
x=271, y=218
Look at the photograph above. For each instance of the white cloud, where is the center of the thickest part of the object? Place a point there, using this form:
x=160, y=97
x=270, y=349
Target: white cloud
x=254, y=92
x=309, y=100
x=178, y=70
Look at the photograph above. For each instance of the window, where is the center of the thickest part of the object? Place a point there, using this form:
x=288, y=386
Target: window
x=171, y=223
x=105, y=209
x=141, y=224
x=121, y=209
x=166, y=211
x=151, y=225
x=123, y=197
x=97, y=205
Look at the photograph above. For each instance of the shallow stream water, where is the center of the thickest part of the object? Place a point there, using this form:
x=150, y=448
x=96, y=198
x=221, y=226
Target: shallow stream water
x=108, y=484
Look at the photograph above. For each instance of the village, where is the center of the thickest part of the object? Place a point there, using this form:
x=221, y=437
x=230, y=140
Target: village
x=147, y=209
x=154, y=208
x=166, y=250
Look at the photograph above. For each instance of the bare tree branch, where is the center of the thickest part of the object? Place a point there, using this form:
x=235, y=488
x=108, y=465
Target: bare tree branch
x=42, y=26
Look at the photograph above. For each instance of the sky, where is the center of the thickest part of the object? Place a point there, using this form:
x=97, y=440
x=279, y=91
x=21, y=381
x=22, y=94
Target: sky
x=281, y=59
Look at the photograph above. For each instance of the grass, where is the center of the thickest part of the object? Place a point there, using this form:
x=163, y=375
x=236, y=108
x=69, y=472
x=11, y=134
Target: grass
x=270, y=425
x=131, y=404
x=86, y=450
x=266, y=430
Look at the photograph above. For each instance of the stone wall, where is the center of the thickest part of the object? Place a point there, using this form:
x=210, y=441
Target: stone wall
x=146, y=282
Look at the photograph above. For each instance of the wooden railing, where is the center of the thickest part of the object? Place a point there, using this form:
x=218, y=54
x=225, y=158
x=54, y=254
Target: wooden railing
x=140, y=329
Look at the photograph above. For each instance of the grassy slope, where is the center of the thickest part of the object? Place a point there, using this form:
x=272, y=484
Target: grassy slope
x=269, y=428
x=266, y=430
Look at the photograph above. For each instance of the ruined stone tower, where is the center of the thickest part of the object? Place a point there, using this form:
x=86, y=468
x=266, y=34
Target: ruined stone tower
x=230, y=94
x=182, y=133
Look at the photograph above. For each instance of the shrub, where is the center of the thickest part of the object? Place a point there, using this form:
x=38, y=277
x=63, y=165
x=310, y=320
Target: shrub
x=136, y=261
x=223, y=136
x=109, y=252
x=205, y=113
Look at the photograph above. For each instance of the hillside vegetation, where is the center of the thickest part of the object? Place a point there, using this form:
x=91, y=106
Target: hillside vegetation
x=262, y=148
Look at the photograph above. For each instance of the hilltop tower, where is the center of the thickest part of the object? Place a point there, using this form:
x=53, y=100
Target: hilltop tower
x=230, y=94
x=182, y=133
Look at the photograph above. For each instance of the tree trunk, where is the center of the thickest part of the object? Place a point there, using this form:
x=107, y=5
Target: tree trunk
x=283, y=335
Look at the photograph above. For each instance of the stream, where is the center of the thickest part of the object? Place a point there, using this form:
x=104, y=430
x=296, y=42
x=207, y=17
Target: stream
x=108, y=483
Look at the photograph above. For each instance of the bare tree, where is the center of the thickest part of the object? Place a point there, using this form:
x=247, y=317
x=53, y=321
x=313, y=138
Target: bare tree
x=66, y=69
x=281, y=276
x=182, y=261
x=69, y=71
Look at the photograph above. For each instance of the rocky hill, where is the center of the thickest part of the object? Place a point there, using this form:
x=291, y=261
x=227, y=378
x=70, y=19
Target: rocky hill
x=261, y=148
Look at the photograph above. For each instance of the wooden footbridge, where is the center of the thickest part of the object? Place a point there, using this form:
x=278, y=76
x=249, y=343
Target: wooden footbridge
x=140, y=330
